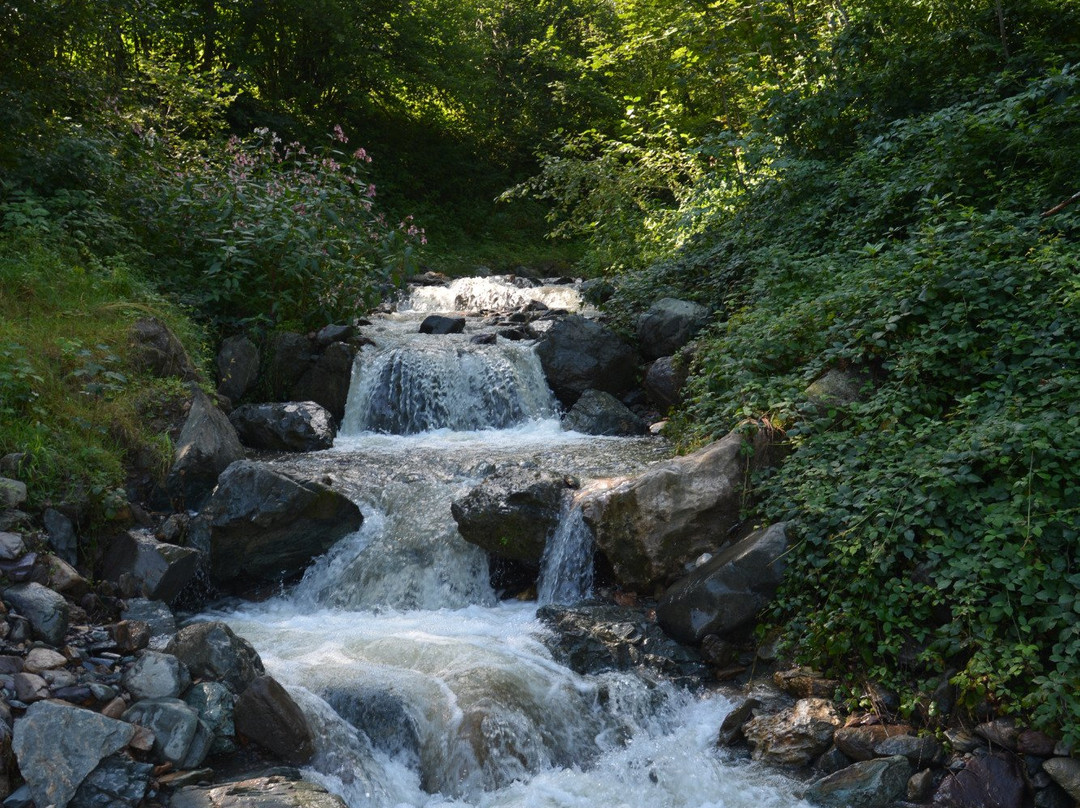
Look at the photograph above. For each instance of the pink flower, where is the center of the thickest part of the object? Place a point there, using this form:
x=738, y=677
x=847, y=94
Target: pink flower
x=339, y=135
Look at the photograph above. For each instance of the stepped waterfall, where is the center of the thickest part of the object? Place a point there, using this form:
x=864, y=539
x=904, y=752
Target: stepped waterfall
x=423, y=687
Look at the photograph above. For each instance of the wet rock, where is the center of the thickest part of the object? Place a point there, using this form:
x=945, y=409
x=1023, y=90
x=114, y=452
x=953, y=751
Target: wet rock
x=961, y=740
x=858, y=742
x=593, y=639
x=211, y=650
x=327, y=381
x=157, y=351
x=237, y=367
x=439, y=324
x=213, y=702
x=290, y=358
x=663, y=383
x=155, y=675
x=295, y=426
x=46, y=611
x=131, y=635
x=600, y=413
x=267, y=714
x=1066, y=773
x=156, y=615
x=725, y=595
x=117, y=782
x=12, y=546
x=329, y=334
x=58, y=745
x=205, y=448
x=43, y=659
x=180, y=738
x=512, y=512
x=61, y=535
x=12, y=493
x=578, y=354
x=266, y=524
x=920, y=751
x=380, y=714
x=793, y=737
x=731, y=727
x=274, y=791
x=653, y=526
x=867, y=784
x=150, y=568
x=993, y=779
x=668, y=325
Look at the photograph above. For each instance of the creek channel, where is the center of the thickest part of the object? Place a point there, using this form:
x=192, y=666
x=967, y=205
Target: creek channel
x=422, y=687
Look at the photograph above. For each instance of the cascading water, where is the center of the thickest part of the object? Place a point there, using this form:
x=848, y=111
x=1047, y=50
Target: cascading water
x=424, y=689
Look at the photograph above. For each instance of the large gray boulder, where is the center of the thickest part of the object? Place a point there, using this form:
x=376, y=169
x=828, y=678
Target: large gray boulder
x=213, y=702
x=266, y=524
x=579, y=354
x=512, y=512
x=268, y=715
x=650, y=527
x=725, y=594
x=294, y=426
x=237, y=367
x=46, y=610
x=146, y=567
x=57, y=745
x=866, y=784
x=207, y=445
x=61, y=535
x=273, y=791
x=326, y=382
x=668, y=325
x=795, y=736
x=600, y=413
x=213, y=651
x=180, y=737
x=156, y=350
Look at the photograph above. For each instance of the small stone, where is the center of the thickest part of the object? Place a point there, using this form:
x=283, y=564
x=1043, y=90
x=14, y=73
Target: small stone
x=731, y=727
x=30, y=687
x=43, y=659
x=156, y=675
x=115, y=708
x=12, y=546
x=11, y=664
x=961, y=740
x=130, y=635
x=143, y=739
x=12, y=493
x=920, y=786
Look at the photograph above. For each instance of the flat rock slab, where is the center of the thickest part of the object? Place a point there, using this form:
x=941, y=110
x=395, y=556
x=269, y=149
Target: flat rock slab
x=260, y=792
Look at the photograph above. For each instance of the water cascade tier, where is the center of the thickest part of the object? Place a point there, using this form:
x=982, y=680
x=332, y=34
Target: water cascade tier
x=422, y=686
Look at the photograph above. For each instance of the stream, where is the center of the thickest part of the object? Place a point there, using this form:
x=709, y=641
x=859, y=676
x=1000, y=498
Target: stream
x=422, y=686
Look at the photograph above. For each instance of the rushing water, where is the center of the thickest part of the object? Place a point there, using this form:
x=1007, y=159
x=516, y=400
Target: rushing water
x=425, y=689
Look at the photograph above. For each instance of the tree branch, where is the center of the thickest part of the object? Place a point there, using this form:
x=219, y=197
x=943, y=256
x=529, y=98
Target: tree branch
x=1058, y=208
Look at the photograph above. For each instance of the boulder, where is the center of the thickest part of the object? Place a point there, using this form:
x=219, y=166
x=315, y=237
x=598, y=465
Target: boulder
x=380, y=713
x=858, y=743
x=266, y=524
x=12, y=493
x=213, y=651
x=117, y=782
x=180, y=737
x=268, y=715
x=290, y=357
x=205, y=448
x=725, y=594
x=1066, y=773
x=43, y=659
x=836, y=389
x=921, y=751
x=995, y=779
x=795, y=736
x=61, y=535
x=213, y=702
x=155, y=675
x=512, y=512
x=57, y=745
x=157, y=351
x=146, y=567
x=668, y=325
x=295, y=426
x=12, y=546
x=579, y=354
x=600, y=413
x=58, y=575
x=274, y=791
x=664, y=382
x=326, y=382
x=329, y=334
x=652, y=526
x=867, y=784
x=440, y=324
x=46, y=610
x=237, y=367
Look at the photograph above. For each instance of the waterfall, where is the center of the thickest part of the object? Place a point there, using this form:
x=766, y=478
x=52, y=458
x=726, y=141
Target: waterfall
x=476, y=295
x=566, y=570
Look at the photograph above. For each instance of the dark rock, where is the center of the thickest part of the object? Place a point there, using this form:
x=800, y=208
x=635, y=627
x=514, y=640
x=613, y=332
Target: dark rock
x=237, y=367
x=664, y=382
x=921, y=751
x=832, y=760
x=131, y=635
x=725, y=595
x=29, y=687
x=836, y=389
x=157, y=351
x=205, y=448
x=794, y=737
x=651, y=527
x=668, y=325
x=47, y=611
x=21, y=569
x=12, y=493
x=213, y=702
x=867, y=784
x=58, y=575
x=920, y=786
x=12, y=546
x=1053, y=796
x=1001, y=732
x=58, y=745
x=380, y=714
x=155, y=675
x=439, y=324
x=180, y=738
x=273, y=791
x=156, y=615
x=578, y=354
x=290, y=358
x=597, y=290
x=295, y=426
x=858, y=742
x=211, y=650
x=61, y=535
x=1066, y=773
x=327, y=381
x=731, y=727
x=512, y=512
x=987, y=780
x=267, y=714
x=961, y=740
x=718, y=651
x=266, y=524
x=804, y=682
x=334, y=333
x=149, y=568
x=483, y=339
x=1031, y=742
x=117, y=782
x=599, y=413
